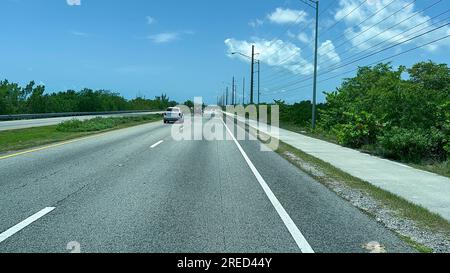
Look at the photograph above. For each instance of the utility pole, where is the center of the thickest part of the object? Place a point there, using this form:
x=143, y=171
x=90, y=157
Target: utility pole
x=259, y=92
x=232, y=92
x=252, y=74
x=235, y=94
x=243, y=91
x=236, y=100
x=227, y=97
x=315, y=68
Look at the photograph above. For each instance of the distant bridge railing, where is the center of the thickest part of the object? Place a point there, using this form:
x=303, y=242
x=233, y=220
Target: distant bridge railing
x=73, y=114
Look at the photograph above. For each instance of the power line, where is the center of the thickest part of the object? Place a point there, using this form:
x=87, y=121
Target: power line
x=384, y=7
x=379, y=22
x=404, y=20
x=368, y=18
x=399, y=37
x=376, y=62
x=372, y=54
x=348, y=14
x=351, y=49
x=304, y=28
x=277, y=39
x=296, y=21
x=329, y=6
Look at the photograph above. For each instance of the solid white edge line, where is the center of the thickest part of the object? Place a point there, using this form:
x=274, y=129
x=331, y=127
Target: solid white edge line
x=288, y=222
x=13, y=230
x=156, y=144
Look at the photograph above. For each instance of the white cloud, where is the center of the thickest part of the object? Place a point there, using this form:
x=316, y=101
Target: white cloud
x=287, y=16
x=164, y=37
x=79, y=33
x=291, y=35
x=73, y=2
x=274, y=53
x=256, y=23
x=384, y=30
x=150, y=20
x=328, y=53
x=167, y=37
x=282, y=54
x=302, y=37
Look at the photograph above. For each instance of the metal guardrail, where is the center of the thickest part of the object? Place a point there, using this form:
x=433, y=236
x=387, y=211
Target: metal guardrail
x=74, y=114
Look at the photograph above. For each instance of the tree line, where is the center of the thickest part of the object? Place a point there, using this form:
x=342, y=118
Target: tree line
x=32, y=99
x=401, y=113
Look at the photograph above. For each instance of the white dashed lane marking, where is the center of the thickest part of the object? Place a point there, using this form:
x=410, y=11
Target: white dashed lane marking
x=156, y=144
x=10, y=232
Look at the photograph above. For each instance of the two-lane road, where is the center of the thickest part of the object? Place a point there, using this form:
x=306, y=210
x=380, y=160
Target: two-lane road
x=139, y=190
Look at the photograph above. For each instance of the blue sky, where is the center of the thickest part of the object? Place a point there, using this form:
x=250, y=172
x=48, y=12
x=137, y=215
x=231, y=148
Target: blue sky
x=142, y=47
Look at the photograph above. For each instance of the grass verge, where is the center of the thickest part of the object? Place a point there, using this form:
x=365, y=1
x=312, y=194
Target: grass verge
x=419, y=247
x=406, y=209
x=401, y=207
x=15, y=140
x=441, y=168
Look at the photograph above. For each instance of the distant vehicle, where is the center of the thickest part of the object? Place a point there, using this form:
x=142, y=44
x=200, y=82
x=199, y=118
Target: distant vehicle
x=173, y=115
x=211, y=113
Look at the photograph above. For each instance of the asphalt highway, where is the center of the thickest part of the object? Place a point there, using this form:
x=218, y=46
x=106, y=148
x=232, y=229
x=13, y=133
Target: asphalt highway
x=139, y=190
x=30, y=123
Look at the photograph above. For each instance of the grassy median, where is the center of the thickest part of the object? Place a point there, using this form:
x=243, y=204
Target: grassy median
x=20, y=139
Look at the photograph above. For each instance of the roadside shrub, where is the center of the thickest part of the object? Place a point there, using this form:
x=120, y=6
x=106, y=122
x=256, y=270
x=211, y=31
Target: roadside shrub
x=70, y=125
x=98, y=124
x=399, y=113
x=445, y=116
x=298, y=113
x=359, y=130
x=447, y=148
x=413, y=145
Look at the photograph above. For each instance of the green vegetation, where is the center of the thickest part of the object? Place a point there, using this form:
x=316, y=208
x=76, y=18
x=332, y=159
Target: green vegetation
x=15, y=140
x=419, y=247
x=403, y=119
x=31, y=99
x=442, y=168
x=401, y=114
x=100, y=124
